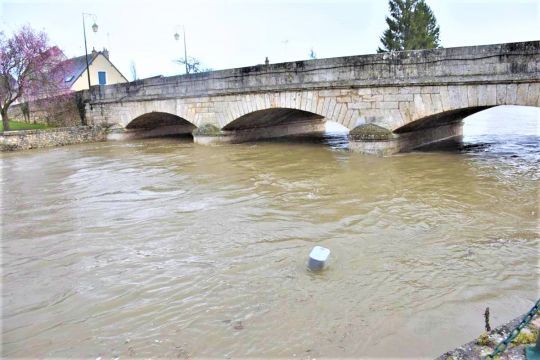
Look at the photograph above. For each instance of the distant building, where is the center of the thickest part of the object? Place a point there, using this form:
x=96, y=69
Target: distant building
x=102, y=71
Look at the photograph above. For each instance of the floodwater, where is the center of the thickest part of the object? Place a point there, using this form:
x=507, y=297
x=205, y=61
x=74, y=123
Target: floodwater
x=163, y=248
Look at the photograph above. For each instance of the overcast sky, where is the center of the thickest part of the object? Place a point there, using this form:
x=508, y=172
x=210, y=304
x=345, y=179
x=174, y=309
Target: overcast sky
x=235, y=33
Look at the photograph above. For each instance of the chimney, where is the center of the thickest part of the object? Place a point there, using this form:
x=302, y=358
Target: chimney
x=94, y=53
x=105, y=53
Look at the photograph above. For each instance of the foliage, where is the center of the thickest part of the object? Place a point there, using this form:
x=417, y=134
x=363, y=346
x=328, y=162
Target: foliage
x=526, y=336
x=484, y=340
x=411, y=25
x=16, y=125
x=29, y=69
x=193, y=65
x=208, y=130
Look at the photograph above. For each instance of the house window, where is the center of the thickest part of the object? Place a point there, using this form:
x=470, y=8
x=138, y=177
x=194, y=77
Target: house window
x=102, y=76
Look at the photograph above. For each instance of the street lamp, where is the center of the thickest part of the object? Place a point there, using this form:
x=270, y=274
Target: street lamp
x=177, y=37
x=94, y=29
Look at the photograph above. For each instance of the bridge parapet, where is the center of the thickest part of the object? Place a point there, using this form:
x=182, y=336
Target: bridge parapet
x=513, y=62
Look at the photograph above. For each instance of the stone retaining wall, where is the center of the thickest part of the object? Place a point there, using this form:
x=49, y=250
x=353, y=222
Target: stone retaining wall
x=57, y=111
x=32, y=139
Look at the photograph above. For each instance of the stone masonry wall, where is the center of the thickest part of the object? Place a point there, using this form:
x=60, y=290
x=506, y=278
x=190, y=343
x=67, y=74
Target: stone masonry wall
x=389, y=107
x=32, y=139
x=55, y=111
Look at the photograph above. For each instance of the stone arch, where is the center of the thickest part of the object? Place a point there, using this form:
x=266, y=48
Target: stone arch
x=156, y=123
x=157, y=119
x=271, y=117
x=452, y=103
x=440, y=119
x=322, y=103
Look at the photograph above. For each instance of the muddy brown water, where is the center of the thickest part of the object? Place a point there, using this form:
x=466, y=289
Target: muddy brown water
x=164, y=248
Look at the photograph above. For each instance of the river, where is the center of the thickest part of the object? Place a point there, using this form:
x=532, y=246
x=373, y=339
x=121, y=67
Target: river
x=165, y=248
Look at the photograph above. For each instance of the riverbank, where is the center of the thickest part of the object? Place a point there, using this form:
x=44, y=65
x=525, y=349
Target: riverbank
x=40, y=138
x=486, y=342
x=18, y=125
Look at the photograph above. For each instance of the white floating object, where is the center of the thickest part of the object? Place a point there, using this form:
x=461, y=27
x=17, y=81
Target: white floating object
x=318, y=258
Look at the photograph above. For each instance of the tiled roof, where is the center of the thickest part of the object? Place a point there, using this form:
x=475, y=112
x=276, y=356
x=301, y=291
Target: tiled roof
x=75, y=67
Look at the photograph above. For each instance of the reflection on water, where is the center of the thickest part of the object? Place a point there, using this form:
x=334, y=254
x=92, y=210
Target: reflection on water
x=165, y=248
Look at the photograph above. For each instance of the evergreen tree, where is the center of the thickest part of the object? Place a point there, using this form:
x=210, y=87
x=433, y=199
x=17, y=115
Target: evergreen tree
x=411, y=26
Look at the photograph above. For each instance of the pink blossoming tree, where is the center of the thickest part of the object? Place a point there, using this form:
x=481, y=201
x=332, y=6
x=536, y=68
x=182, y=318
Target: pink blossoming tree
x=29, y=69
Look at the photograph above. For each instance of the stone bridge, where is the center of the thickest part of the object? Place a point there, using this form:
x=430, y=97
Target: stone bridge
x=391, y=102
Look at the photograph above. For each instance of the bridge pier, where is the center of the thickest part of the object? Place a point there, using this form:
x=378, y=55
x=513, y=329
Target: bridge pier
x=209, y=134
x=376, y=140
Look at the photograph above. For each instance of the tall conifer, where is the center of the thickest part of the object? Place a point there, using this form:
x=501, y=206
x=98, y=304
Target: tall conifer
x=411, y=26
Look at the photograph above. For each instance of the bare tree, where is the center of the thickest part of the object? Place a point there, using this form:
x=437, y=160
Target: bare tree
x=193, y=65
x=312, y=54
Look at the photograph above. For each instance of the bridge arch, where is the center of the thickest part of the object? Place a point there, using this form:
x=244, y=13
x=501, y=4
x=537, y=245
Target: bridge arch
x=273, y=123
x=451, y=104
x=275, y=106
x=156, y=119
x=156, y=123
x=447, y=125
x=271, y=117
x=440, y=119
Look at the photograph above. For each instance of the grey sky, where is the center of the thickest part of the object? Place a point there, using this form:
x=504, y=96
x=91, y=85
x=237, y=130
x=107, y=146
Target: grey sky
x=225, y=34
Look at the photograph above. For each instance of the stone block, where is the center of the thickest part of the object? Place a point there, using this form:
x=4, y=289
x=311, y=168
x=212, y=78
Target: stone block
x=364, y=91
x=360, y=105
x=249, y=104
x=288, y=99
x=501, y=94
x=429, y=89
x=406, y=112
x=533, y=94
x=349, y=118
x=319, y=105
x=398, y=97
x=445, y=97
x=282, y=99
x=344, y=99
x=409, y=90
x=297, y=99
x=419, y=107
x=483, y=95
x=491, y=94
x=341, y=115
x=454, y=98
x=303, y=101
x=436, y=103
x=387, y=105
x=472, y=95
x=378, y=97
x=331, y=108
x=326, y=105
x=330, y=93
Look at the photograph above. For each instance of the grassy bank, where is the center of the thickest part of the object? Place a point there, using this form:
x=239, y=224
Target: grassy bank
x=16, y=125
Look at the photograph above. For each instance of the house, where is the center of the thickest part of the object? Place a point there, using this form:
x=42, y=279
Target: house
x=102, y=71
x=50, y=98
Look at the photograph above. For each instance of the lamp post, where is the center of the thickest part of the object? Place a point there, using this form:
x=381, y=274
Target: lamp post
x=177, y=37
x=94, y=29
